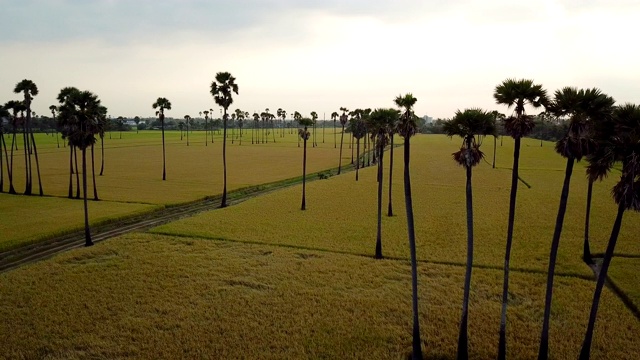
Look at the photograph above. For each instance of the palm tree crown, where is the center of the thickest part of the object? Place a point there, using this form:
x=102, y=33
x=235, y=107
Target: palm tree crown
x=467, y=125
x=518, y=94
x=222, y=88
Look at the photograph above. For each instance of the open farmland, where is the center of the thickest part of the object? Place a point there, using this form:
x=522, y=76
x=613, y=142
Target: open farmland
x=132, y=180
x=153, y=296
x=263, y=279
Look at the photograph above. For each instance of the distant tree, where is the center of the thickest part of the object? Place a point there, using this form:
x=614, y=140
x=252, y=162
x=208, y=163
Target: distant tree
x=344, y=118
x=3, y=114
x=618, y=138
x=53, y=109
x=256, y=122
x=15, y=107
x=79, y=114
x=497, y=117
x=137, y=121
x=206, y=127
x=517, y=94
x=187, y=120
x=468, y=125
x=221, y=90
x=358, y=129
x=407, y=128
x=297, y=117
x=314, y=118
x=334, y=117
x=581, y=107
x=304, y=134
x=162, y=104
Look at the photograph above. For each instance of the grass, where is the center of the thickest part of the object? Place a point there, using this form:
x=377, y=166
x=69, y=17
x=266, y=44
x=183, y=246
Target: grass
x=153, y=296
x=27, y=220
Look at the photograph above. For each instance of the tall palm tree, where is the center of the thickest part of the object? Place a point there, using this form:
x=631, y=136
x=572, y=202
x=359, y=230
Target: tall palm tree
x=162, y=104
x=516, y=94
x=297, y=117
x=256, y=121
x=496, y=117
x=187, y=119
x=382, y=121
x=3, y=114
x=206, y=127
x=314, y=117
x=621, y=139
x=344, y=118
x=15, y=107
x=304, y=134
x=359, y=130
x=467, y=125
x=283, y=115
x=53, y=109
x=407, y=128
x=136, y=119
x=221, y=90
x=334, y=117
x=80, y=114
x=392, y=131
x=29, y=89
x=580, y=107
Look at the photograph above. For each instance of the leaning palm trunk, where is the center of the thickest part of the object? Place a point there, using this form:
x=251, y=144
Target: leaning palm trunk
x=502, y=345
x=585, y=352
x=586, y=251
x=70, y=171
x=93, y=175
x=357, y=157
x=87, y=231
x=543, y=353
x=223, y=203
x=12, y=190
x=379, y=234
x=101, y=154
x=75, y=152
x=463, y=337
x=341, y=142
x=390, y=209
x=35, y=152
x=417, y=349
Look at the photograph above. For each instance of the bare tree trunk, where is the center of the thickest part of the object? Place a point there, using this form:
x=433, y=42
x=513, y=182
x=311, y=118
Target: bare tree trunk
x=35, y=152
x=75, y=153
x=87, y=231
x=70, y=172
x=93, y=175
x=390, y=209
x=379, y=233
x=304, y=172
x=224, y=161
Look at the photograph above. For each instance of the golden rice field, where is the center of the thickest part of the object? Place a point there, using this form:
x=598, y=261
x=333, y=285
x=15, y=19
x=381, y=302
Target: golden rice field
x=152, y=296
x=263, y=279
x=132, y=180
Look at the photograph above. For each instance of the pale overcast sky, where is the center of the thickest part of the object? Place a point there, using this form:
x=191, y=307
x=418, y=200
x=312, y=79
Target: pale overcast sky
x=316, y=55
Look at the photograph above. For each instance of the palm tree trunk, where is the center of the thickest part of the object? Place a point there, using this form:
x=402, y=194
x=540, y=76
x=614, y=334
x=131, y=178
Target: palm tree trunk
x=57, y=139
x=543, y=354
x=416, y=343
x=586, y=251
x=187, y=134
x=1, y=161
x=502, y=345
x=75, y=153
x=585, y=352
x=223, y=203
x=341, y=142
x=206, y=133
x=390, y=209
x=304, y=172
x=70, y=172
x=352, y=148
x=27, y=188
x=93, y=175
x=12, y=190
x=323, y=126
x=273, y=129
x=35, y=152
x=87, y=231
x=463, y=337
x=164, y=167
x=102, y=155
x=379, y=235
x=495, y=143
x=335, y=144
x=357, y=157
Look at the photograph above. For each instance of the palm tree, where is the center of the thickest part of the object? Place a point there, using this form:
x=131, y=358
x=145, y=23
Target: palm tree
x=517, y=94
x=359, y=130
x=344, y=118
x=467, y=125
x=101, y=121
x=206, y=127
x=382, y=123
x=256, y=121
x=283, y=115
x=620, y=138
x=334, y=117
x=392, y=131
x=221, y=90
x=297, y=117
x=29, y=89
x=162, y=104
x=15, y=107
x=314, y=117
x=187, y=119
x=580, y=107
x=3, y=114
x=496, y=116
x=304, y=134
x=53, y=109
x=407, y=128
x=137, y=121
x=79, y=114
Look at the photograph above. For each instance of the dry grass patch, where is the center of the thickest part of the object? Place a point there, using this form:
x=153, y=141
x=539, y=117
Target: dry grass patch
x=151, y=296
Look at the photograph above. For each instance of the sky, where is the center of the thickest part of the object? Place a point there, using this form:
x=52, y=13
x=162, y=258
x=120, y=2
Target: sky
x=316, y=55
